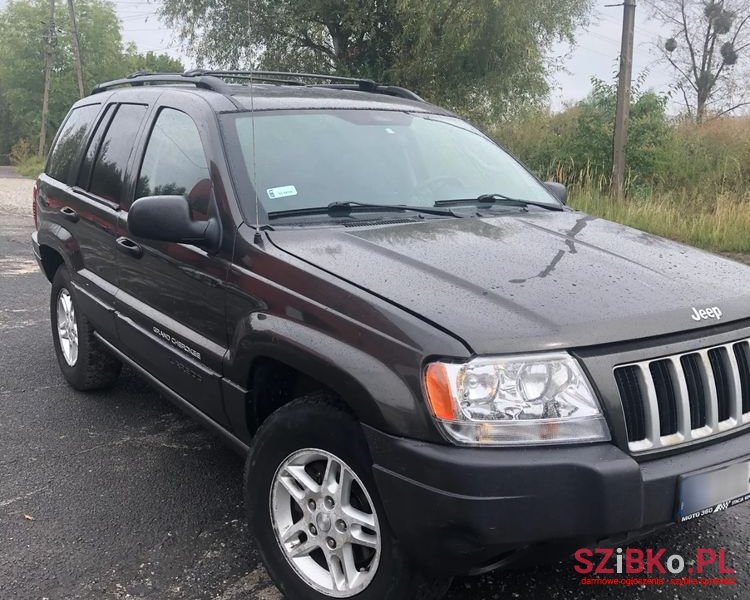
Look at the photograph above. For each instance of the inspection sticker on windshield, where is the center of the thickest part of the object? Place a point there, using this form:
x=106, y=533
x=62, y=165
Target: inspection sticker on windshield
x=282, y=192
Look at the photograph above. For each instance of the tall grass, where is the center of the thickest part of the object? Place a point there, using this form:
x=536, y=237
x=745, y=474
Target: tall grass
x=687, y=181
x=718, y=223
x=26, y=162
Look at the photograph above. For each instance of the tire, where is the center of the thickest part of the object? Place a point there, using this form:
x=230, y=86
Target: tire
x=90, y=366
x=308, y=427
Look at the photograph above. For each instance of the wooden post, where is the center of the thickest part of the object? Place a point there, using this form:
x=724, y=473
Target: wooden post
x=76, y=48
x=47, y=77
x=623, y=99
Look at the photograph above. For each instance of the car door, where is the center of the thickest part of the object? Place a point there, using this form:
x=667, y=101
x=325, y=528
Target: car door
x=171, y=297
x=88, y=215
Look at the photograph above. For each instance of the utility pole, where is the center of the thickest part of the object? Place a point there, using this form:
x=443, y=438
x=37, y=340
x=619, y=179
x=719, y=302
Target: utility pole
x=623, y=98
x=76, y=48
x=47, y=76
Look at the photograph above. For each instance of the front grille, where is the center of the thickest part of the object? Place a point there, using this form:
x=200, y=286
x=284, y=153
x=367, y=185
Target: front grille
x=685, y=397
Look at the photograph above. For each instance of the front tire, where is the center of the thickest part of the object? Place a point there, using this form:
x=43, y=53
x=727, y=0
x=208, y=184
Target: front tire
x=315, y=514
x=84, y=362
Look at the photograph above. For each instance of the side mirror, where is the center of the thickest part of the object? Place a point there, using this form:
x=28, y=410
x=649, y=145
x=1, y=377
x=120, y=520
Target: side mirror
x=167, y=218
x=558, y=190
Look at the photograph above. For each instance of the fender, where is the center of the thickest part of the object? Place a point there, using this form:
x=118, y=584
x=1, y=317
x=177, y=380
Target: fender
x=353, y=374
x=59, y=239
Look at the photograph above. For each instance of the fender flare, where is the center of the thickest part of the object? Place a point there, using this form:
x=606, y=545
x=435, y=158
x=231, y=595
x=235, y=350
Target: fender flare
x=59, y=239
x=354, y=375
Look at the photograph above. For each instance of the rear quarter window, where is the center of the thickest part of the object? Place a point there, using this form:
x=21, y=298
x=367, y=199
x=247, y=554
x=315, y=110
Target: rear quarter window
x=67, y=147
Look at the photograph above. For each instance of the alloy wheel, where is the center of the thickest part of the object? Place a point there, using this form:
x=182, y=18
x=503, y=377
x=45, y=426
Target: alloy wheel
x=325, y=523
x=67, y=329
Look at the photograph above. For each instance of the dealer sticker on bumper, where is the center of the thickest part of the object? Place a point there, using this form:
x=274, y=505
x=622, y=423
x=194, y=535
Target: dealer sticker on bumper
x=713, y=491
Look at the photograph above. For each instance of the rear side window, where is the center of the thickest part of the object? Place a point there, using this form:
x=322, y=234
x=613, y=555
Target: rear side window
x=175, y=164
x=84, y=173
x=67, y=148
x=112, y=159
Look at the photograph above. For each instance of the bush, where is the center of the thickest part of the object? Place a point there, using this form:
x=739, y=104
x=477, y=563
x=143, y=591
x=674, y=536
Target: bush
x=685, y=181
x=575, y=146
x=712, y=158
x=20, y=152
x=673, y=157
x=31, y=167
x=24, y=160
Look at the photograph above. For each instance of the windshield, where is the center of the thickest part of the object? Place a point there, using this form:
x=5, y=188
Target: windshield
x=313, y=158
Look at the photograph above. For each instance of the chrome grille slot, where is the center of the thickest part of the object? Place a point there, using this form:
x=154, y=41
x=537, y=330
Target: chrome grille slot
x=676, y=399
x=665, y=396
x=719, y=360
x=632, y=401
x=690, y=364
x=742, y=355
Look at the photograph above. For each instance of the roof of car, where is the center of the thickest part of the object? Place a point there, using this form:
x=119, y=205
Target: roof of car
x=268, y=92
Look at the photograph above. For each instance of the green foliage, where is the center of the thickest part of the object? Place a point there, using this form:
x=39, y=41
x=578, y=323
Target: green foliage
x=23, y=35
x=31, y=167
x=480, y=57
x=20, y=152
x=132, y=62
x=710, y=159
x=686, y=181
x=576, y=145
x=23, y=157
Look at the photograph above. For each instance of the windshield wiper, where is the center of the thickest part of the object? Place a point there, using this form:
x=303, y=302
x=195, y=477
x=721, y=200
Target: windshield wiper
x=497, y=199
x=344, y=209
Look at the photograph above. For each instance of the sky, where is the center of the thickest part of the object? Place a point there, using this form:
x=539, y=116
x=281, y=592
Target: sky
x=595, y=53
x=597, y=50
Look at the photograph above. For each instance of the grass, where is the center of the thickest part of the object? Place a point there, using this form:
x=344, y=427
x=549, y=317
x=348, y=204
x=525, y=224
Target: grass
x=720, y=224
x=30, y=167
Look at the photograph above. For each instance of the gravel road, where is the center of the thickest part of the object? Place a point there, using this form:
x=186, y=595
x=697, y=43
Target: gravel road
x=117, y=495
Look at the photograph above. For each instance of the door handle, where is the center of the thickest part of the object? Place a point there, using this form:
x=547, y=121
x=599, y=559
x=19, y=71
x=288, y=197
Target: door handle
x=129, y=247
x=69, y=214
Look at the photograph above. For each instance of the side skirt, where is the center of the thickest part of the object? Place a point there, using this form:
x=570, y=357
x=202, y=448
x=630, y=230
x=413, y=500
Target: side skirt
x=237, y=445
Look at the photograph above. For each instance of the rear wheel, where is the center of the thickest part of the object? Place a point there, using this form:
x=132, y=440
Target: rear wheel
x=84, y=362
x=314, y=511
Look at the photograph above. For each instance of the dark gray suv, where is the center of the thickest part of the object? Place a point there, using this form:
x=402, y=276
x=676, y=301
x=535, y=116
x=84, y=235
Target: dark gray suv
x=432, y=364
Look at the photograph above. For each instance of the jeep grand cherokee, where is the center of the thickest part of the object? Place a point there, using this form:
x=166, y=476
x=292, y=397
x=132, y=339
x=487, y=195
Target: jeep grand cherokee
x=430, y=362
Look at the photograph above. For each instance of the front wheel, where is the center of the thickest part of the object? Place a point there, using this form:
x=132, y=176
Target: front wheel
x=315, y=514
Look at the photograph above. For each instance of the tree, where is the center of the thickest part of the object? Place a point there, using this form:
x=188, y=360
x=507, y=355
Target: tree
x=133, y=61
x=707, y=51
x=23, y=34
x=482, y=57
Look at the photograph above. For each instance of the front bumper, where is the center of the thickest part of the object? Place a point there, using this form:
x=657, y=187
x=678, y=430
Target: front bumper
x=461, y=510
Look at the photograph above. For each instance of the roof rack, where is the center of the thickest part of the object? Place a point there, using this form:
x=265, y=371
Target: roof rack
x=293, y=78
x=387, y=90
x=214, y=80
x=143, y=78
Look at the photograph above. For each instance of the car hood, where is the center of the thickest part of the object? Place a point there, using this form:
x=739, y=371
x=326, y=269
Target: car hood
x=530, y=281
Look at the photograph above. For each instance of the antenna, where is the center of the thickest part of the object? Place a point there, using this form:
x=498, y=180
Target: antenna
x=258, y=238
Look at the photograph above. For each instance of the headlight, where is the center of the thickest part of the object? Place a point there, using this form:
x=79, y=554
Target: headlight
x=516, y=400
